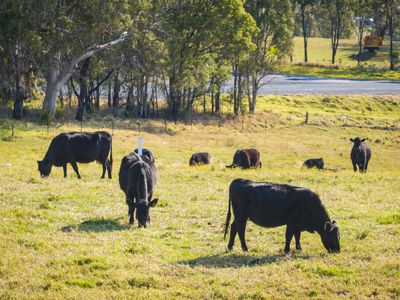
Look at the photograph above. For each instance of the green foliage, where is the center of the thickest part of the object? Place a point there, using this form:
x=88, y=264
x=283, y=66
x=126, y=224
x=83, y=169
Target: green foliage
x=389, y=219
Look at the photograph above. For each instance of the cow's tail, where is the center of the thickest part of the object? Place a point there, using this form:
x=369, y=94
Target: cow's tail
x=111, y=158
x=228, y=216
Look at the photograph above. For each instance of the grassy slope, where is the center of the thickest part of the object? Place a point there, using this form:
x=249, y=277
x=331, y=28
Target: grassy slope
x=319, y=54
x=69, y=238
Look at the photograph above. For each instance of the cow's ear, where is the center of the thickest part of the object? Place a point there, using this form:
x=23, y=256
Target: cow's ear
x=352, y=140
x=334, y=222
x=153, y=202
x=363, y=140
x=328, y=226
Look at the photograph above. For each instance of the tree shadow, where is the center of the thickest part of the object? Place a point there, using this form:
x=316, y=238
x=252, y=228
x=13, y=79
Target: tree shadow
x=96, y=225
x=364, y=56
x=236, y=261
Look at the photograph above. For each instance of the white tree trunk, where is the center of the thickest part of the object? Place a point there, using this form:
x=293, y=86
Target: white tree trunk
x=56, y=78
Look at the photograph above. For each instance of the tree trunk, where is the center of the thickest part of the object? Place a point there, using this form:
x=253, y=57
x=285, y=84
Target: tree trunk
x=97, y=102
x=61, y=97
x=174, y=99
x=53, y=87
x=109, y=95
x=255, y=91
x=217, y=99
x=304, y=25
x=57, y=78
x=391, y=31
x=117, y=87
x=83, y=91
x=19, y=95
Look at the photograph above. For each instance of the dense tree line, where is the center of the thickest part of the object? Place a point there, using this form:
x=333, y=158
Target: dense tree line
x=177, y=50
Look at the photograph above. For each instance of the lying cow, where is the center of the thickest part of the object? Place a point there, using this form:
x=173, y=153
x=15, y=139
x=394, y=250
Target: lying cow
x=360, y=155
x=78, y=147
x=246, y=158
x=137, y=178
x=147, y=153
x=200, y=158
x=271, y=205
x=314, y=162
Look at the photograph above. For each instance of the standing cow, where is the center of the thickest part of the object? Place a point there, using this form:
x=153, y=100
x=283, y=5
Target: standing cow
x=246, y=158
x=360, y=155
x=271, y=205
x=78, y=147
x=137, y=178
x=200, y=158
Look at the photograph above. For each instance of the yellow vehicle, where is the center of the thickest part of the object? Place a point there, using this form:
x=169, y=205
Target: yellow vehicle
x=372, y=43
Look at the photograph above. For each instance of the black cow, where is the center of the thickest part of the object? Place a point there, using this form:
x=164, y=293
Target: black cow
x=314, y=162
x=360, y=155
x=147, y=153
x=137, y=178
x=246, y=158
x=200, y=158
x=271, y=205
x=78, y=147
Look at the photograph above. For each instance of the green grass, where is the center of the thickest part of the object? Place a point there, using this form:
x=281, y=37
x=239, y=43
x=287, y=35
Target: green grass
x=69, y=238
x=373, y=66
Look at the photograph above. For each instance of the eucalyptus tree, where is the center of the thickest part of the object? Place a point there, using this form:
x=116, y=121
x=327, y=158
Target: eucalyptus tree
x=392, y=12
x=192, y=32
x=338, y=12
x=306, y=10
x=362, y=13
x=19, y=45
x=72, y=32
x=273, y=41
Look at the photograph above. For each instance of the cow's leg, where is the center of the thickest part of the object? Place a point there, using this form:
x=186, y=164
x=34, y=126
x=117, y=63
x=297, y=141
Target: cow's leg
x=241, y=228
x=109, y=168
x=65, y=170
x=289, y=236
x=232, y=236
x=104, y=169
x=297, y=239
x=354, y=167
x=366, y=166
x=75, y=167
x=131, y=212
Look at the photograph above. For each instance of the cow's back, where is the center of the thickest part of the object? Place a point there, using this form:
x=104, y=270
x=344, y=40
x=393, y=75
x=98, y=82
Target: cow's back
x=269, y=204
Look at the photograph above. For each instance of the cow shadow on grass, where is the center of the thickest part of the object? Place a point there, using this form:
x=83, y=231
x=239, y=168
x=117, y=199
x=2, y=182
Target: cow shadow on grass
x=225, y=260
x=97, y=225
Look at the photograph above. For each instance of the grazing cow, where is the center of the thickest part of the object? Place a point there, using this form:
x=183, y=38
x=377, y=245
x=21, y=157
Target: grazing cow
x=200, y=158
x=314, y=162
x=137, y=178
x=246, y=158
x=271, y=205
x=78, y=147
x=147, y=153
x=360, y=155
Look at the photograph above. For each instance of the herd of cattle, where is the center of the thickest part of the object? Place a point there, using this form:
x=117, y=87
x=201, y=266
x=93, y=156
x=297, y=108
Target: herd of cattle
x=266, y=204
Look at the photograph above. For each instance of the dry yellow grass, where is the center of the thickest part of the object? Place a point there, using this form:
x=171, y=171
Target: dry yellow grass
x=69, y=238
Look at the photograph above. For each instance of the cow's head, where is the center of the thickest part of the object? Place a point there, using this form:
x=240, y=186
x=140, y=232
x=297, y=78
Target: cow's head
x=142, y=211
x=357, y=142
x=44, y=167
x=330, y=237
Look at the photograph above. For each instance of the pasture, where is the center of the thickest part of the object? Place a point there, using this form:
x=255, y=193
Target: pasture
x=69, y=238
x=374, y=66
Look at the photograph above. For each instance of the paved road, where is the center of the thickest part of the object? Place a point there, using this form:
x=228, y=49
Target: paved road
x=289, y=85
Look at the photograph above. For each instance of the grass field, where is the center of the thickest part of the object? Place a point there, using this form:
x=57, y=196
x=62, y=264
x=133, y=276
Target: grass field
x=373, y=65
x=70, y=239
